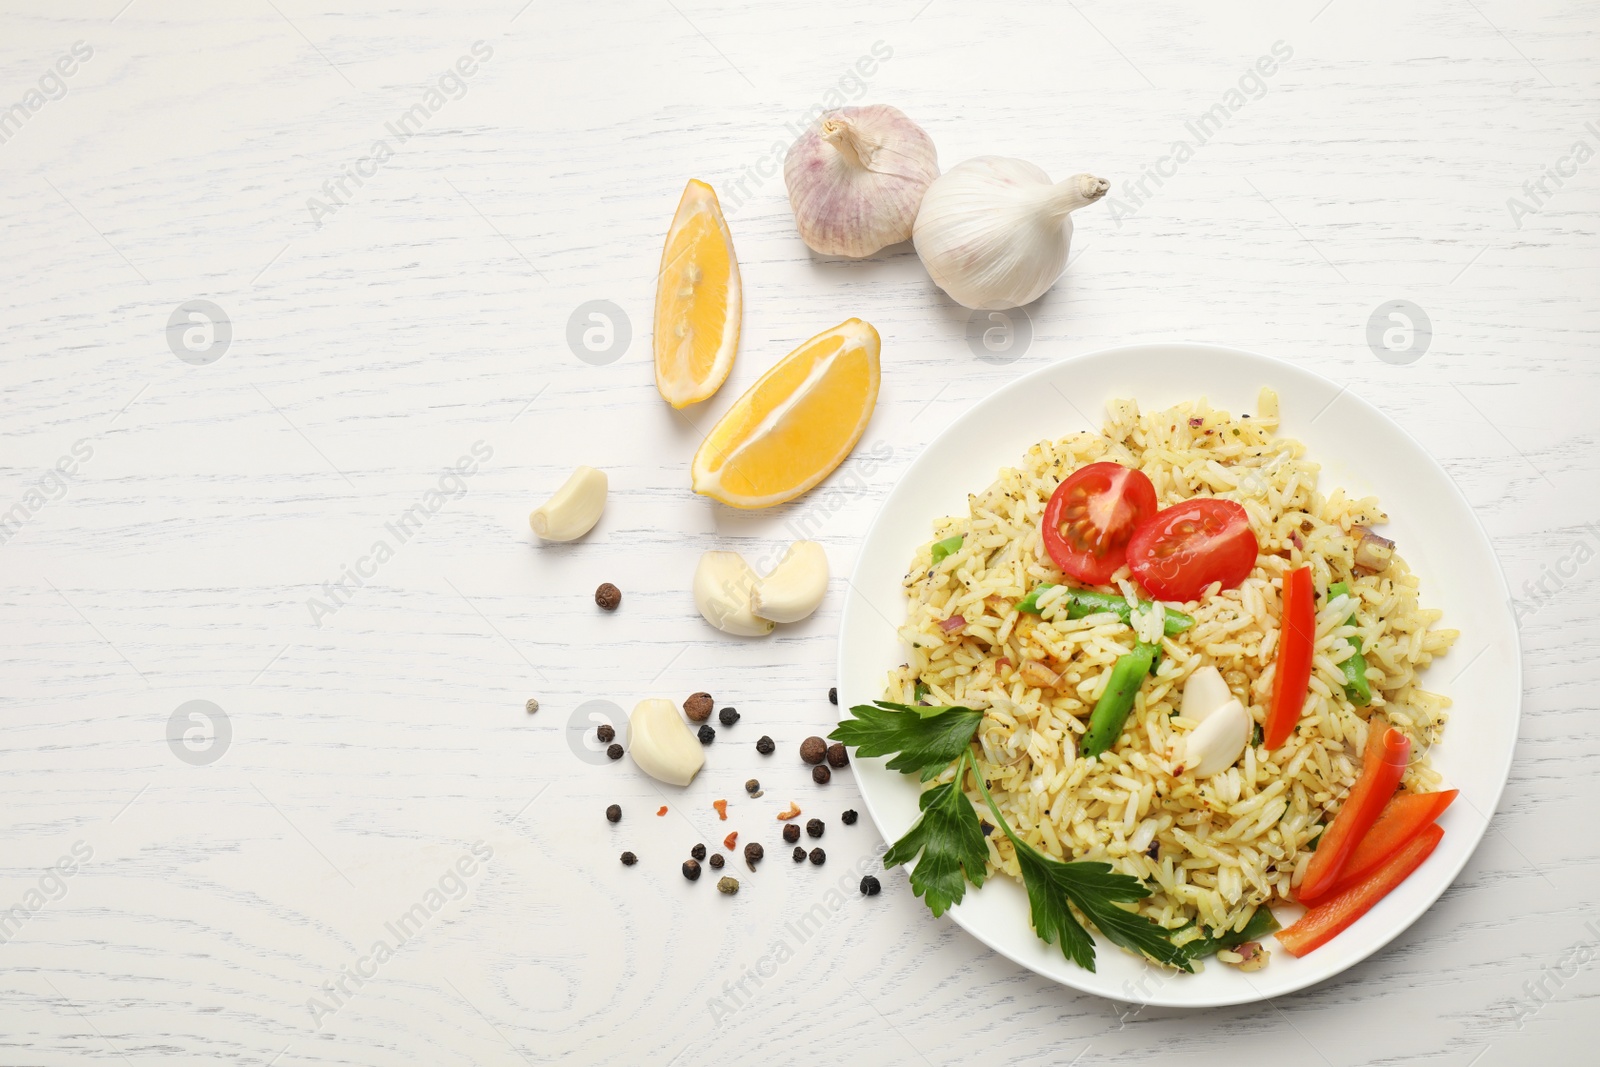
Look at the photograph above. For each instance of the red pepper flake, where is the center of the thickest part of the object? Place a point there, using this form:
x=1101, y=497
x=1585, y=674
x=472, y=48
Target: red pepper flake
x=722, y=810
x=1196, y=423
x=785, y=816
x=663, y=810
x=729, y=841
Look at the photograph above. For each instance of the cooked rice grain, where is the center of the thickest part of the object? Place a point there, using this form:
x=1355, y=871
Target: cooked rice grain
x=1237, y=840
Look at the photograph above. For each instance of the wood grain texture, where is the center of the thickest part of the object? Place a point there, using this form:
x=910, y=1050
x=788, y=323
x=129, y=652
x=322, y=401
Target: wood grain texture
x=372, y=748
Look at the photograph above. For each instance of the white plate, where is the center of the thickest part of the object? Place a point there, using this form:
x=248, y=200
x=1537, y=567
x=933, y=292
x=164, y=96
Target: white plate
x=1359, y=448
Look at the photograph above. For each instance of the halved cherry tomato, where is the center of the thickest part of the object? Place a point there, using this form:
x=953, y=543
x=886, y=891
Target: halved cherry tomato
x=1090, y=517
x=1176, y=553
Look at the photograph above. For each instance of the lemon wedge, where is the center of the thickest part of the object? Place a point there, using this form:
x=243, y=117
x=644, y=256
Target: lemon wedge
x=698, y=301
x=794, y=425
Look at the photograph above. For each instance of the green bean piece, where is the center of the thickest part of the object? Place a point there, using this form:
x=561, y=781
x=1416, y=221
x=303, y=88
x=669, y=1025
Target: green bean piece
x=1111, y=710
x=1356, y=686
x=942, y=549
x=1081, y=602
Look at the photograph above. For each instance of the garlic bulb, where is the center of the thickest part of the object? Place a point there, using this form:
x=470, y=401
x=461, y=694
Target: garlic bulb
x=994, y=232
x=856, y=177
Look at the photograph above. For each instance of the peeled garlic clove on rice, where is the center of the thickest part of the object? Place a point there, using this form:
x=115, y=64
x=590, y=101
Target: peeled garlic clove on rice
x=574, y=509
x=795, y=587
x=1204, y=693
x=723, y=586
x=661, y=744
x=1218, y=742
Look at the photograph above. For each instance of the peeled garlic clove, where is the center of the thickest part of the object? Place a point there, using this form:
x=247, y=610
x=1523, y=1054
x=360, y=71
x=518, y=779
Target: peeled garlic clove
x=1216, y=744
x=661, y=744
x=994, y=232
x=795, y=587
x=574, y=509
x=856, y=178
x=1204, y=693
x=723, y=586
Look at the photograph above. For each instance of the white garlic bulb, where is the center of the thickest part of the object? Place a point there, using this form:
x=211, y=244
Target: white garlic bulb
x=994, y=232
x=856, y=178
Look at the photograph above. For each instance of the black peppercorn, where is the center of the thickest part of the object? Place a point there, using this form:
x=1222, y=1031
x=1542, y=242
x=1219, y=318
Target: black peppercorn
x=614, y=813
x=629, y=859
x=818, y=857
x=833, y=694
x=849, y=817
x=837, y=756
x=698, y=852
x=606, y=733
x=753, y=852
x=814, y=827
x=765, y=745
x=717, y=861
x=706, y=734
x=691, y=869
x=728, y=716
x=608, y=596
x=614, y=751
x=791, y=832
x=821, y=775
x=698, y=707
x=799, y=853
x=813, y=750
x=870, y=886
x=753, y=786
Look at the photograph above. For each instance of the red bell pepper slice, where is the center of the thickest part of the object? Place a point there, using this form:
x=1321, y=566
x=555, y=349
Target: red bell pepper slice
x=1297, y=632
x=1405, y=817
x=1383, y=764
x=1325, y=921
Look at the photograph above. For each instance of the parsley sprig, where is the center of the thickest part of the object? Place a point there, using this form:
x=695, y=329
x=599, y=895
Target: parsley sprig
x=949, y=839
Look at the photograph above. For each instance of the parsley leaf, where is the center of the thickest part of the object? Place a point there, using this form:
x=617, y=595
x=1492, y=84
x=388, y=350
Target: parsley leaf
x=926, y=739
x=948, y=845
x=1261, y=923
x=951, y=843
x=1096, y=890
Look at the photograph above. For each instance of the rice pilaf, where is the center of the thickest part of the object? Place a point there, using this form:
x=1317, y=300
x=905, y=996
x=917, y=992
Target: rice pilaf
x=1213, y=850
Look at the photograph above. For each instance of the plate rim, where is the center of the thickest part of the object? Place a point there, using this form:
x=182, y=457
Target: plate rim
x=853, y=598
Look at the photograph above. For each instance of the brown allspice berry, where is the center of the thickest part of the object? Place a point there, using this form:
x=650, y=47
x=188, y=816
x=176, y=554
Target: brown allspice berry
x=813, y=750
x=821, y=775
x=608, y=596
x=698, y=707
x=837, y=756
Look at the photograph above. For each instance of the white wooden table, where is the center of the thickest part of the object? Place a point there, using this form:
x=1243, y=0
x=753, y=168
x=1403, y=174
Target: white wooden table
x=368, y=757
